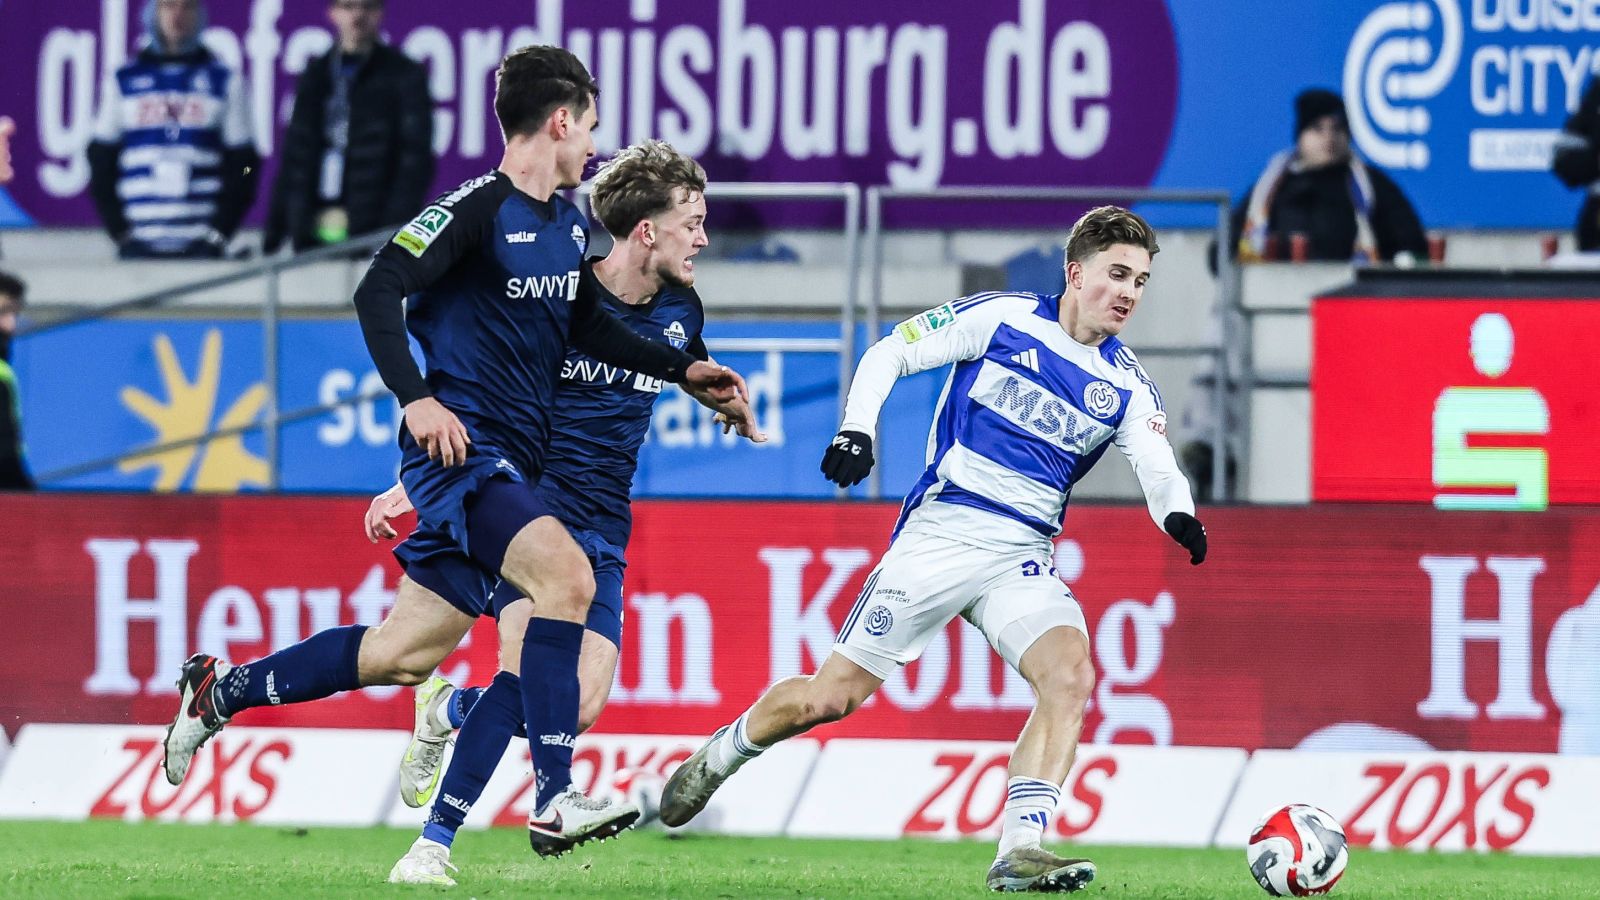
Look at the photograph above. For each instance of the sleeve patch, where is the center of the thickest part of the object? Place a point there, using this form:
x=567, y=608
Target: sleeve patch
x=920, y=326
x=1158, y=423
x=419, y=234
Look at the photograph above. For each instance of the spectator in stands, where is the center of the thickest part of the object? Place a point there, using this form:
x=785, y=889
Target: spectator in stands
x=13, y=471
x=7, y=128
x=358, y=154
x=1347, y=208
x=1577, y=162
x=173, y=167
x=1320, y=194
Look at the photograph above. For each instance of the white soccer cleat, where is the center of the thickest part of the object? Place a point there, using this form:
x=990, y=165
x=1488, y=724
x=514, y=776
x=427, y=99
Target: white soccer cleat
x=425, y=863
x=423, y=763
x=1039, y=871
x=572, y=818
x=198, y=718
x=691, y=786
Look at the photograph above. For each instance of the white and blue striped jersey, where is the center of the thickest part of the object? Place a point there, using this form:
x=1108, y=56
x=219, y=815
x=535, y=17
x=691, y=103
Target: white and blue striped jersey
x=1026, y=413
x=172, y=118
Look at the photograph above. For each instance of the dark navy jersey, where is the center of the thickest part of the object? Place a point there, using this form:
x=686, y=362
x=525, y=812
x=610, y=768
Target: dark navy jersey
x=602, y=413
x=490, y=277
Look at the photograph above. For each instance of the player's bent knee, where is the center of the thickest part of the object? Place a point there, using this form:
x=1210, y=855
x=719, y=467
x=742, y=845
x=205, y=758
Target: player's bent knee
x=827, y=705
x=1071, y=684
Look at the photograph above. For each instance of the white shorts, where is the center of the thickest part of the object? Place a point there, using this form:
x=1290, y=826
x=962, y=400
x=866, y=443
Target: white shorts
x=925, y=580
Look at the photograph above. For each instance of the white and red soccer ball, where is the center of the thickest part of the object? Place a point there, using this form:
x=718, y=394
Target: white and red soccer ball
x=1297, y=851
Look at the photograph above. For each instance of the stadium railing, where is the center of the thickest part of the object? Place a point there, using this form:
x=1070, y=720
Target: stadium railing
x=272, y=419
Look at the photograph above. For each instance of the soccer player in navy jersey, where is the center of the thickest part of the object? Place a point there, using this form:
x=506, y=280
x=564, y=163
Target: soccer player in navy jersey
x=486, y=280
x=651, y=198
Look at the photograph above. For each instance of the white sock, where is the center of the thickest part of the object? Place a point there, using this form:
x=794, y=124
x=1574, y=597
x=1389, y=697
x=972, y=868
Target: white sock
x=732, y=748
x=1030, y=805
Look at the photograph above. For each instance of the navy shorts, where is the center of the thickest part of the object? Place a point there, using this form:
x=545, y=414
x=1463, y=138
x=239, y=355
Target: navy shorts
x=466, y=517
x=608, y=563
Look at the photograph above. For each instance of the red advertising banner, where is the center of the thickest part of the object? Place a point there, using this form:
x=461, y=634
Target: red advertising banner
x=1463, y=404
x=1373, y=628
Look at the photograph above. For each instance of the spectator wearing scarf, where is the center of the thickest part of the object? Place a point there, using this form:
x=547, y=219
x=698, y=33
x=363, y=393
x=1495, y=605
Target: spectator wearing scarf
x=173, y=163
x=1346, y=208
x=1577, y=163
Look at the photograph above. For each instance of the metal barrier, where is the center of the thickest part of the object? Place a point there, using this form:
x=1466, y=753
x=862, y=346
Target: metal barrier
x=273, y=419
x=1227, y=281
x=270, y=269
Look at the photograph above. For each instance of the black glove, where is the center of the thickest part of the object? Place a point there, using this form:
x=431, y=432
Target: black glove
x=1187, y=530
x=848, y=458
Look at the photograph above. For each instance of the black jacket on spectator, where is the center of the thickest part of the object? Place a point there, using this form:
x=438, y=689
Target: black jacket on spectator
x=13, y=470
x=1577, y=162
x=1317, y=203
x=388, y=165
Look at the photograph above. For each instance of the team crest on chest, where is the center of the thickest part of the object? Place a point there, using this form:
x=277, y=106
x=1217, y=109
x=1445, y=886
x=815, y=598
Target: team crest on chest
x=1101, y=400
x=579, y=238
x=676, y=336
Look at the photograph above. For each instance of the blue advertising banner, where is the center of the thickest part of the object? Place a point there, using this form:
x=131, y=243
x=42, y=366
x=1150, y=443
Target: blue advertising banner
x=1459, y=100
x=162, y=380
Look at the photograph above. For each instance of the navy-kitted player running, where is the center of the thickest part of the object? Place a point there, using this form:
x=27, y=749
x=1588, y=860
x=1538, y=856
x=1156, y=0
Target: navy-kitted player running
x=491, y=272
x=652, y=199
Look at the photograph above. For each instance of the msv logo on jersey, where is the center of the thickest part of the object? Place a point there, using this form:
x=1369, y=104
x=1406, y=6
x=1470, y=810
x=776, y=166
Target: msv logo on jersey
x=879, y=621
x=1036, y=410
x=1101, y=399
x=539, y=287
x=1404, y=65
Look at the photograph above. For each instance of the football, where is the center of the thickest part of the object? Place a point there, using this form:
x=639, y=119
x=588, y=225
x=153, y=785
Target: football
x=642, y=788
x=1297, y=851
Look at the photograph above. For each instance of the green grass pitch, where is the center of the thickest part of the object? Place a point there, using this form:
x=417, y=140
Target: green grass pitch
x=102, y=860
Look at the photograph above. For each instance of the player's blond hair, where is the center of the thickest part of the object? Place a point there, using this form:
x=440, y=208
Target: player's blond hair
x=1106, y=226
x=641, y=182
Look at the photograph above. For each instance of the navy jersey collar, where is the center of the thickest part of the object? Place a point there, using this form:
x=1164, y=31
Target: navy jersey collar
x=546, y=209
x=605, y=293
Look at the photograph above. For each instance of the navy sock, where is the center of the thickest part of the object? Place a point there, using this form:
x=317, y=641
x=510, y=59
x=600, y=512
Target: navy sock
x=550, y=701
x=479, y=746
x=461, y=703
x=319, y=666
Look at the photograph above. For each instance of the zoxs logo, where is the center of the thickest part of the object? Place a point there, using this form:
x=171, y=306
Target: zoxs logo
x=1498, y=75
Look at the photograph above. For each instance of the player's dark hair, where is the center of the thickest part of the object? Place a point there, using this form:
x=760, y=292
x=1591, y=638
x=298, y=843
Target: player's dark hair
x=1106, y=226
x=641, y=182
x=533, y=82
x=12, y=286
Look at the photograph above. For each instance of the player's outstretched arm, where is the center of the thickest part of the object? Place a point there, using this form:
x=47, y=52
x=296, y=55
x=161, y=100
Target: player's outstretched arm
x=925, y=341
x=418, y=255
x=1142, y=438
x=733, y=415
x=604, y=337
x=390, y=504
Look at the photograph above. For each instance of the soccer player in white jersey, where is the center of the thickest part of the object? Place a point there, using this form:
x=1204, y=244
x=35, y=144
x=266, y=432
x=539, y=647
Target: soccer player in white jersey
x=1041, y=384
